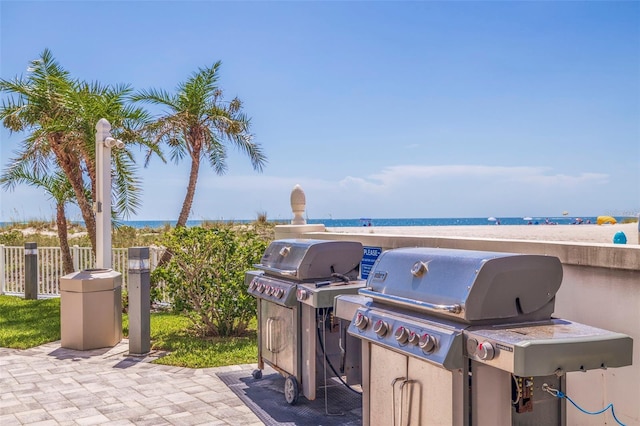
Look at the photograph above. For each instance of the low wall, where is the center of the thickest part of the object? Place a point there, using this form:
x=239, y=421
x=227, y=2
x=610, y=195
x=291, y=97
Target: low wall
x=601, y=288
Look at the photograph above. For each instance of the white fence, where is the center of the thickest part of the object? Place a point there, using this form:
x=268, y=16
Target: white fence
x=12, y=267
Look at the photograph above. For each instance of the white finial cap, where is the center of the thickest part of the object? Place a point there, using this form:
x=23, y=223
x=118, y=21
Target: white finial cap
x=298, y=204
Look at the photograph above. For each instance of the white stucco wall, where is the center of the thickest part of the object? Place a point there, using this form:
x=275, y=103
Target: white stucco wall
x=601, y=288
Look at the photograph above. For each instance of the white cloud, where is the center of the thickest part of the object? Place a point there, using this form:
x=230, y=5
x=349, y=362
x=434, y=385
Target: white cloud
x=394, y=191
x=390, y=178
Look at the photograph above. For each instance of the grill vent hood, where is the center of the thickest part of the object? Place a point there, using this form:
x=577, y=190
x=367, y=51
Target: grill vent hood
x=308, y=259
x=469, y=286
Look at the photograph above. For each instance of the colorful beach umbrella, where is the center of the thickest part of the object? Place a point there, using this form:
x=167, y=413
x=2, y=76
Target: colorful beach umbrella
x=602, y=220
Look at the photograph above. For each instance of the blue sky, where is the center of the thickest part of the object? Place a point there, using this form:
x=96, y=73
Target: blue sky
x=377, y=109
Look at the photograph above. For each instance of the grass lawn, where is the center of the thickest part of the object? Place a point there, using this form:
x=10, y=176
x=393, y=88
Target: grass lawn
x=28, y=323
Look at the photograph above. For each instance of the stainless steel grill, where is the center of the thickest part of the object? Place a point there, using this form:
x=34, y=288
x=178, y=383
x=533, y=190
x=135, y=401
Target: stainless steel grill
x=295, y=285
x=455, y=337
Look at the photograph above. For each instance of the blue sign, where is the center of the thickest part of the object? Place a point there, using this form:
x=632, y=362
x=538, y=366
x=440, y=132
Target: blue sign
x=368, y=259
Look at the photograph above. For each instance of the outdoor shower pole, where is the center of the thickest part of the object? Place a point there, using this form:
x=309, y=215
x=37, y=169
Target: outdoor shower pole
x=102, y=203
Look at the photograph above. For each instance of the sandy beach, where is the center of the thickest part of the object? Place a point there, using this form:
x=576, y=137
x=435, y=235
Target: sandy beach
x=568, y=233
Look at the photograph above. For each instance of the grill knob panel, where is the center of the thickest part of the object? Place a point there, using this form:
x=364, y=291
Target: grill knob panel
x=472, y=346
x=361, y=321
x=380, y=328
x=427, y=343
x=485, y=351
x=402, y=335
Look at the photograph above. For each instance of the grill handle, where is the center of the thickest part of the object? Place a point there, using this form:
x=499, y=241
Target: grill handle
x=288, y=272
x=411, y=303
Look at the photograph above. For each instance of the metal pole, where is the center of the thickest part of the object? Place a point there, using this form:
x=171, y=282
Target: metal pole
x=102, y=204
x=139, y=284
x=31, y=271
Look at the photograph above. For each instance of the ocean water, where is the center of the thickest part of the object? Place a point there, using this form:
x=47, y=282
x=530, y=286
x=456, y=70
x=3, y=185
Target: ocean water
x=451, y=221
x=339, y=223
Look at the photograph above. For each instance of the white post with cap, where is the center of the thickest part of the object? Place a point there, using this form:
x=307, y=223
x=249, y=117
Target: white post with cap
x=102, y=203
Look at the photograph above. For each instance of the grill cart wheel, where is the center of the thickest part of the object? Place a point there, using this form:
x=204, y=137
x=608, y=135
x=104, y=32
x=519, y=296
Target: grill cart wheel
x=257, y=374
x=291, y=390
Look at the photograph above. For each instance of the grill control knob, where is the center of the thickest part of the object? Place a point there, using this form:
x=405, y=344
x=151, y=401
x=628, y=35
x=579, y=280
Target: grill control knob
x=427, y=343
x=302, y=294
x=268, y=290
x=414, y=339
x=253, y=284
x=361, y=321
x=402, y=335
x=260, y=288
x=380, y=328
x=485, y=351
x=279, y=293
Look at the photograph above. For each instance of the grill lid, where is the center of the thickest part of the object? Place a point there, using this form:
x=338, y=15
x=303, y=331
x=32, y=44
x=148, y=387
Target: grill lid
x=307, y=259
x=470, y=286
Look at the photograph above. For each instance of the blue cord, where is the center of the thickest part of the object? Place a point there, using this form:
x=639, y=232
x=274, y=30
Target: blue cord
x=561, y=394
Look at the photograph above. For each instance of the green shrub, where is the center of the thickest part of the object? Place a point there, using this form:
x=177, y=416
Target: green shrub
x=205, y=276
x=12, y=238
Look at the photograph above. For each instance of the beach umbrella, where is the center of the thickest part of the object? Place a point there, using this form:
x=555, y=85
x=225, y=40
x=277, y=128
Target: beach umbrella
x=601, y=220
x=492, y=219
x=527, y=218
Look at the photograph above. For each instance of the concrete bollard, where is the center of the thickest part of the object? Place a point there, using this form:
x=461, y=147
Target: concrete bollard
x=139, y=287
x=31, y=271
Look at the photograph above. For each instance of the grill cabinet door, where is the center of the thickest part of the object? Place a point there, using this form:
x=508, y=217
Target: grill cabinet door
x=431, y=394
x=405, y=391
x=277, y=337
x=388, y=370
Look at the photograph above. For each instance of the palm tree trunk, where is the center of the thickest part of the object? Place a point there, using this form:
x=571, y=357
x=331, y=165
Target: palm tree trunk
x=188, y=201
x=61, y=222
x=191, y=190
x=70, y=165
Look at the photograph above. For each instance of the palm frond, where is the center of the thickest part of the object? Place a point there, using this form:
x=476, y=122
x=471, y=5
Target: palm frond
x=126, y=186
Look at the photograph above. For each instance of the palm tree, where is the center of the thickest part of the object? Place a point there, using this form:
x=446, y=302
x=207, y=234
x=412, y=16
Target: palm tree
x=200, y=124
x=57, y=186
x=38, y=105
x=93, y=101
x=59, y=114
